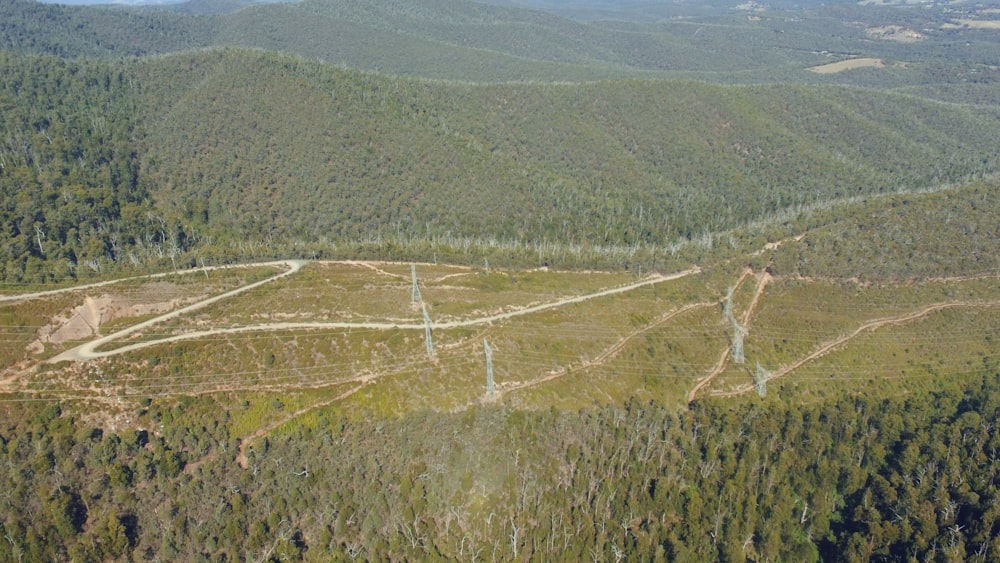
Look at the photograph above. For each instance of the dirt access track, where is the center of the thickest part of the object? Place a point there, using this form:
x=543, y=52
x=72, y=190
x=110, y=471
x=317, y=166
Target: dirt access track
x=89, y=351
x=869, y=326
x=100, y=347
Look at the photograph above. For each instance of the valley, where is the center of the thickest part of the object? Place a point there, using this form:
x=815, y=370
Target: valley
x=436, y=280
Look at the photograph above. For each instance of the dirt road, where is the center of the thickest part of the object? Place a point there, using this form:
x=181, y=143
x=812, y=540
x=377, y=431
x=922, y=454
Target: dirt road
x=609, y=353
x=39, y=294
x=827, y=347
x=765, y=278
x=89, y=351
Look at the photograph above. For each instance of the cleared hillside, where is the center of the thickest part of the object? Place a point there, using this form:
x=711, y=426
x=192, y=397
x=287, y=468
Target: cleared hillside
x=303, y=415
x=870, y=272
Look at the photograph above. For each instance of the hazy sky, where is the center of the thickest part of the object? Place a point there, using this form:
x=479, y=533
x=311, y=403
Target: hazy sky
x=78, y=2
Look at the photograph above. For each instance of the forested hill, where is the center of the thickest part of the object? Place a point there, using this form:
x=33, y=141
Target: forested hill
x=97, y=31
x=116, y=160
x=852, y=478
x=69, y=168
x=237, y=145
x=645, y=11
x=249, y=139
x=458, y=39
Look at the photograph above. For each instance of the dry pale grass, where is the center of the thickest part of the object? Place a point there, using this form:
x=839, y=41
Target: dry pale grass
x=894, y=33
x=849, y=64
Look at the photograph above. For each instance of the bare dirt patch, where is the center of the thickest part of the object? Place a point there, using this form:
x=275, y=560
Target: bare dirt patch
x=894, y=33
x=849, y=64
x=85, y=320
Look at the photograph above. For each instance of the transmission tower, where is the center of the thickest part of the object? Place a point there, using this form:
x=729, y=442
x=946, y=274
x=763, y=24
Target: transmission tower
x=427, y=331
x=738, y=331
x=738, y=334
x=727, y=307
x=416, y=289
x=491, y=389
x=760, y=378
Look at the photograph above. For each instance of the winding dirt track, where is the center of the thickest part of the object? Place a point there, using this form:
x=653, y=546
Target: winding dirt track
x=869, y=326
x=39, y=294
x=716, y=370
x=247, y=441
x=89, y=351
x=765, y=278
x=608, y=354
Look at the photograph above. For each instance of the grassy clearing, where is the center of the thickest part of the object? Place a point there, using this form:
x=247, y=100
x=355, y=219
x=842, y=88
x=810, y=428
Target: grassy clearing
x=652, y=342
x=249, y=412
x=799, y=317
x=944, y=349
x=849, y=64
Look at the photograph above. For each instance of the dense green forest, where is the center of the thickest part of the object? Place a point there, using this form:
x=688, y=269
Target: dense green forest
x=73, y=31
x=853, y=478
x=70, y=168
x=632, y=158
x=952, y=232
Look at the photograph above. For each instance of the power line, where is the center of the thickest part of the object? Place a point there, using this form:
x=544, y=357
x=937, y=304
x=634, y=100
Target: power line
x=416, y=297
x=427, y=331
x=491, y=389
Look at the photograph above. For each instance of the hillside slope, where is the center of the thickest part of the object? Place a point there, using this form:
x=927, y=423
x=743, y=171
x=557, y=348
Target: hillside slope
x=69, y=168
x=27, y=26
x=240, y=147
x=257, y=141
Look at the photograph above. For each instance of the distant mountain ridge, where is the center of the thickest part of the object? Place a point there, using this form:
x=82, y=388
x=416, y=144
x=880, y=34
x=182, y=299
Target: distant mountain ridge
x=471, y=41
